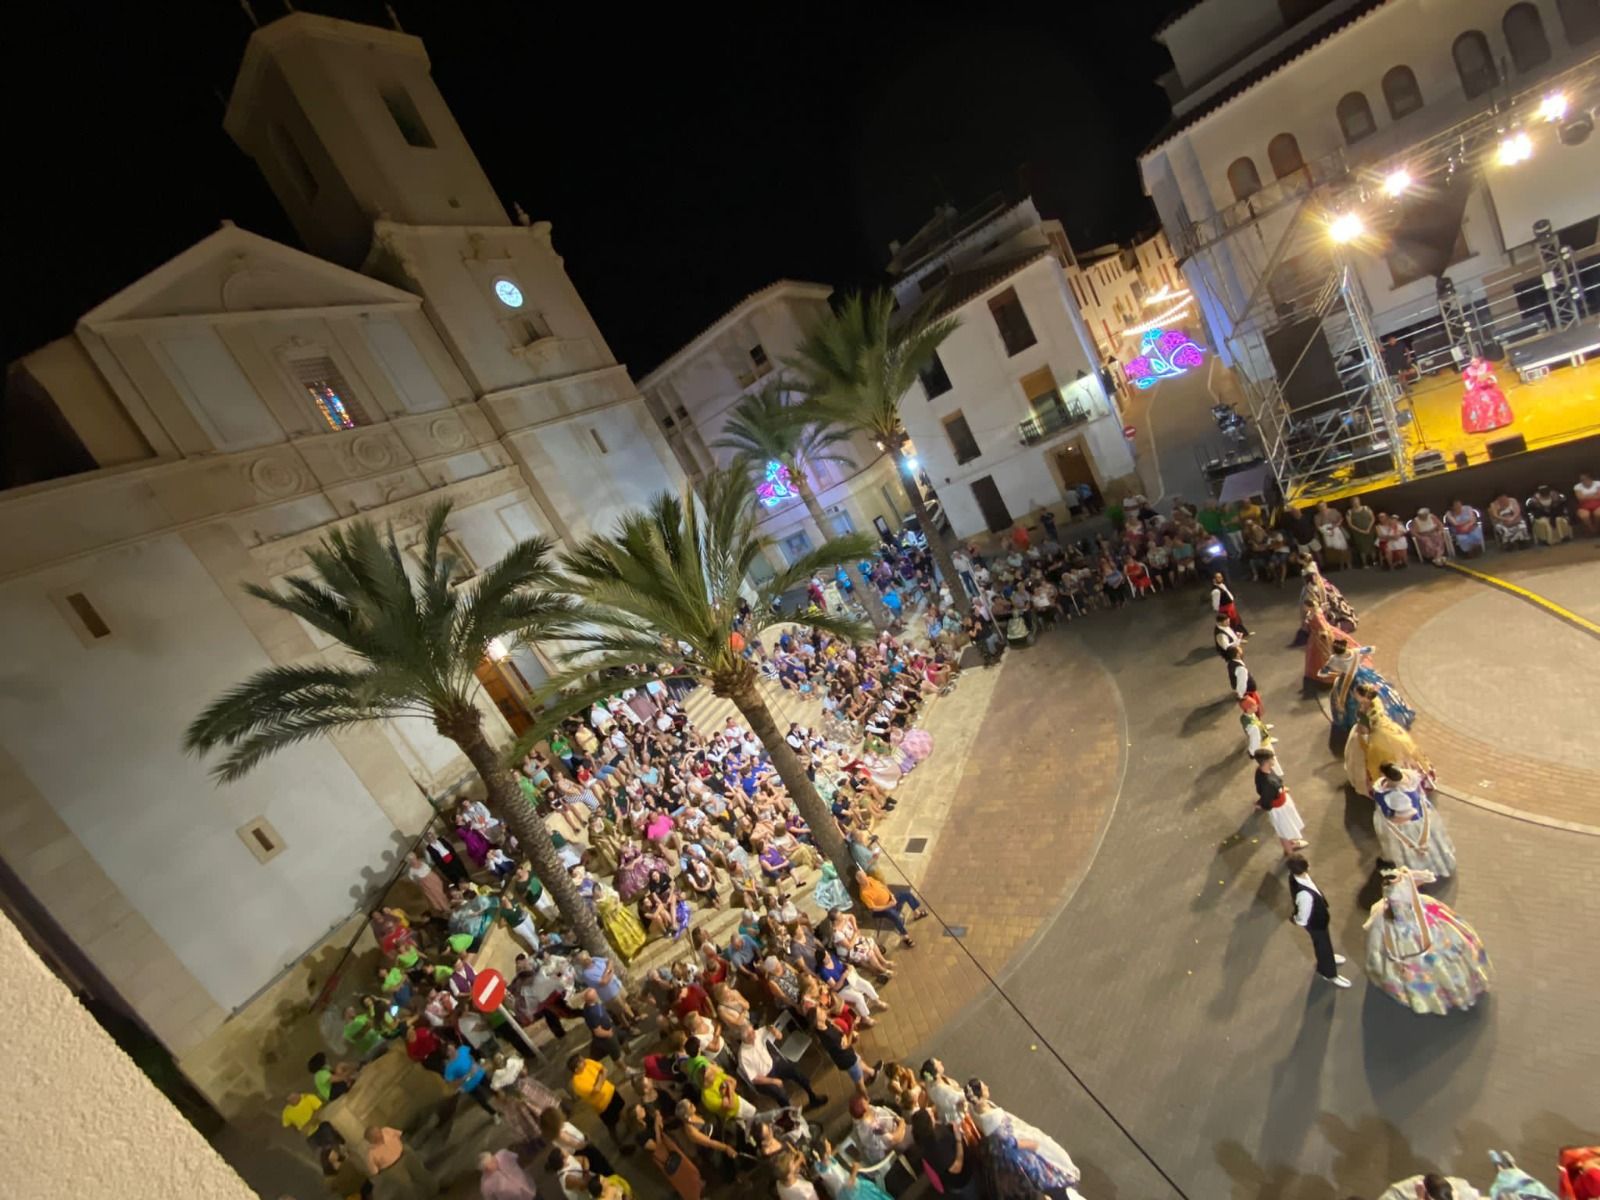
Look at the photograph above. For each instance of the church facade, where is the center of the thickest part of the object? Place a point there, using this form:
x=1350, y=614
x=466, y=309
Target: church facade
x=197, y=432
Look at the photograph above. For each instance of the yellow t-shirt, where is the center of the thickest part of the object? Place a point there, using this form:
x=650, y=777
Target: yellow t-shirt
x=298, y=1116
x=589, y=1085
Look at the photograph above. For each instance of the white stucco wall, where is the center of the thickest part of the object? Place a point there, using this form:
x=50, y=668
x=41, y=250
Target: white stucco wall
x=986, y=389
x=81, y=1119
x=97, y=727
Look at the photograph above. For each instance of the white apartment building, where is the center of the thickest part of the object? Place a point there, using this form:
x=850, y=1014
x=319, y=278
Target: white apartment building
x=692, y=394
x=1120, y=290
x=1271, y=98
x=1013, y=415
x=197, y=432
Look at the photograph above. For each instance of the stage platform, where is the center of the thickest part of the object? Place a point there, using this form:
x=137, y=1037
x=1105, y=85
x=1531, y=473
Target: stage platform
x=1562, y=407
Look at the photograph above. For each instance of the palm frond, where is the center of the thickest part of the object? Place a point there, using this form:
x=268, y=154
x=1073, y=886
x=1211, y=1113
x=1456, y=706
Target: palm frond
x=247, y=753
x=271, y=695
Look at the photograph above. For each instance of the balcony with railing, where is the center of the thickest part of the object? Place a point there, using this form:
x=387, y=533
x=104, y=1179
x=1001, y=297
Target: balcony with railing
x=1054, y=415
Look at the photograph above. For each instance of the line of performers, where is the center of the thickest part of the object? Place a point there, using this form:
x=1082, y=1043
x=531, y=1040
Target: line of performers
x=1417, y=950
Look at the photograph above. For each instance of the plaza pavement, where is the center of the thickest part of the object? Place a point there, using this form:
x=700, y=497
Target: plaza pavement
x=1165, y=969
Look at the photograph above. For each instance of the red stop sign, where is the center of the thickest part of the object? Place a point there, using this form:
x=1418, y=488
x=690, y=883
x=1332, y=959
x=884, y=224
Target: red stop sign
x=1128, y=431
x=488, y=991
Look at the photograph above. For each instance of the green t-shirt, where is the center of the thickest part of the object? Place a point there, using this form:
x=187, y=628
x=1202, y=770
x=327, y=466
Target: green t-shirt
x=1210, y=520
x=323, y=1082
x=360, y=1034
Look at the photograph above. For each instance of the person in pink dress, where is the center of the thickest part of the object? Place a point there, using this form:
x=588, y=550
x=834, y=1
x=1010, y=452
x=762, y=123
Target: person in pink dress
x=1484, y=406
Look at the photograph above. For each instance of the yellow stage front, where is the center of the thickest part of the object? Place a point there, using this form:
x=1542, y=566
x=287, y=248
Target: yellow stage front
x=1561, y=407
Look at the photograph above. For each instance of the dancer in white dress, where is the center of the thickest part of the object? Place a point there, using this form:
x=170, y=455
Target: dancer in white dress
x=1410, y=830
x=1418, y=950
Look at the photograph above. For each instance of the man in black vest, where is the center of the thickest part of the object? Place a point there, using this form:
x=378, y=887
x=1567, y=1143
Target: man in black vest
x=1311, y=914
x=1240, y=682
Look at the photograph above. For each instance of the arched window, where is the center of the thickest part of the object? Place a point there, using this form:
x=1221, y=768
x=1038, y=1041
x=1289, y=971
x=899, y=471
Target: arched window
x=1283, y=152
x=1474, y=63
x=1400, y=91
x=1355, y=117
x=1580, y=18
x=1525, y=35
x=1243, y=177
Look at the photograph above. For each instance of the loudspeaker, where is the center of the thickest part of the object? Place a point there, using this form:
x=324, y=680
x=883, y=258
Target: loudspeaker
x=1312, y=386
x=1507, y=446
x=1461, y=459
x=1428, y=462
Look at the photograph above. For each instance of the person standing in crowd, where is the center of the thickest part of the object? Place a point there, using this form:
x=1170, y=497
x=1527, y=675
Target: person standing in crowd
x=396, y=1169
x=589, y=1084
x=501, y=1177
x=1273, y=798
x=1311, y=914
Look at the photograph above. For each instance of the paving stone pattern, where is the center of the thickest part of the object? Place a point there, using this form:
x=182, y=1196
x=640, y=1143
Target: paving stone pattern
x=1035, y=792
x=1173, y=981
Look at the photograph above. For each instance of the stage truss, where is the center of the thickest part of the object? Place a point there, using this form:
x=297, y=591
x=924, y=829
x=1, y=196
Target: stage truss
x=1272, y=264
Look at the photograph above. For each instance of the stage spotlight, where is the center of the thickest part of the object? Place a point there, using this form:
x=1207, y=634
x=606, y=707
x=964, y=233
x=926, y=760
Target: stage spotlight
x=1396, y=182
x=1553, y=107
x=1515, y=148
x=1346, y=227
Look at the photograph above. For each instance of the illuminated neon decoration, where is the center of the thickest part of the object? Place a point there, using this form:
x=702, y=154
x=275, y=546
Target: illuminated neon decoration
x=1166, y=354
x=776, y=487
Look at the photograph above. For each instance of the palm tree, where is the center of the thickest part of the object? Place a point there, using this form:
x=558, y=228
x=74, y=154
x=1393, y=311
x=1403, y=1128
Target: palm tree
x=857, y=364
x=661, y=593
x=765, y=428
x=415, y=649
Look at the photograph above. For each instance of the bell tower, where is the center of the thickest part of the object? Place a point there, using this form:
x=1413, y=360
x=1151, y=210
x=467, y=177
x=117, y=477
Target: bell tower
x=347, y=125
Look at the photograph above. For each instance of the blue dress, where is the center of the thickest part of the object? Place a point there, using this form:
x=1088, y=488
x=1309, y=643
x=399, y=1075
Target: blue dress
x=1018, y=1174
x=1346, y=704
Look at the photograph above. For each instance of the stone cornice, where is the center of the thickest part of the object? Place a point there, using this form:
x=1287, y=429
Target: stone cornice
x=285, y=554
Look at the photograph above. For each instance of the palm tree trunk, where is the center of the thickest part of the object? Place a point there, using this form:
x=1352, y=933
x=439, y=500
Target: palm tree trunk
x=808, y=497
x=533, y=836
x=936, y=542
x=824, y=829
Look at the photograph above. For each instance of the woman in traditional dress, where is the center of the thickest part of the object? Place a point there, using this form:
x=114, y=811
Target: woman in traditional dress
x=1418, y=950
x=831, y=894
x=1483, y=404
x=633, y=871
x=622, y=928
x=1410, y=830
x=1320, y=636
x=1350, y=666
x=1376, y=739
x=1327, y=596
x=1392, y=541
x=1361, y=523
x=1023, y=1163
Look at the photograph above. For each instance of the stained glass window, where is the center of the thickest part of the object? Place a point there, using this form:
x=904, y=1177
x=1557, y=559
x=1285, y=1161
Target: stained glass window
x=330, y=393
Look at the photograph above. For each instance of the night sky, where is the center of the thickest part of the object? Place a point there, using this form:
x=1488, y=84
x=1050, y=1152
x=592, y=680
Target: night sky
x=683, y=165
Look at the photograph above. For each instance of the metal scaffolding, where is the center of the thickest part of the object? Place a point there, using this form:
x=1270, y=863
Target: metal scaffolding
x=1320, y=381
